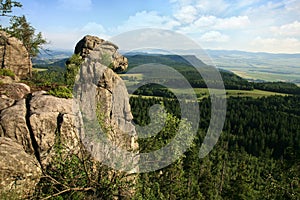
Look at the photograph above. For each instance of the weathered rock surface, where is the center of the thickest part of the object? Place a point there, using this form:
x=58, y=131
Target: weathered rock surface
x=100, y=89
x=20, y=171
x=5, y=102
x=14, y=125
x=50, y=118
x=14, y=56
x=101, y=51
x=31, y=124
x=15, y=90
x=103, y=97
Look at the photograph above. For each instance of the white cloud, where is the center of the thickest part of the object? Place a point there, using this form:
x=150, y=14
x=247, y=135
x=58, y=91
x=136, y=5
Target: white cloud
x=214, y=36
x=212, y=23
x=235, y=22
x=211, y=7
x=276, y=45
x=292, y=29
x=64, y=38
x=78, y=5
x=147, y=19
x=93, y=28
x=292, y=6
x=186, y=14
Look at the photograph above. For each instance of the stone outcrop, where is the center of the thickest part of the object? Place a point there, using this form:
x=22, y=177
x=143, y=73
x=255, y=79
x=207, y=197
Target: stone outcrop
x=14, y=56
x=20, y=171
x=15, y=90
x=14, y=125
x=101, y=51
x=32, y=123
x=50, y=118
x=100, y=90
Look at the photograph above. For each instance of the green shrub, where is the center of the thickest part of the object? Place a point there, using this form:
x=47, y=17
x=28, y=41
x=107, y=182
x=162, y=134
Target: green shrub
x=61, y=92
x=7, y=72
x=73, y=66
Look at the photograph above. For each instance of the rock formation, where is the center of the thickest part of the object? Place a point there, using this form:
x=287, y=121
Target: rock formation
x=14, y=56
x=103, y=96
x=31, y=123
x=20, y=171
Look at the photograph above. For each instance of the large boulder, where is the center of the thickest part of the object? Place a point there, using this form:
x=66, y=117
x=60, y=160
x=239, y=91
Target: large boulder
x=52, y=118
x=14, y=56
x=20, y=172
x=103, y=98
x=14, y=125
x=15, y=90
x=100, y=90
x=31, y=124
x=101, y=51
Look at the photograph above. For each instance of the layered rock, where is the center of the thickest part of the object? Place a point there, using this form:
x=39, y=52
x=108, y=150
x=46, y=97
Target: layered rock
x=52, y=118
x=14, y=56
x=101, y=51
x=31, y=124
x=103, y=99
x=20, y=171
x=103, y=95
x=14, y=125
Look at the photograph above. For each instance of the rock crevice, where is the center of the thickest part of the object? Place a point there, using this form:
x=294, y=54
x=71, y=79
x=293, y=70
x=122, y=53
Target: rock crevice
x=32, y=123
x=34, y=143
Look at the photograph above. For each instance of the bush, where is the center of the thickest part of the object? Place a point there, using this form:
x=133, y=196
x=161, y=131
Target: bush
x=61, y=92
x=73, y=66
x=7, y=72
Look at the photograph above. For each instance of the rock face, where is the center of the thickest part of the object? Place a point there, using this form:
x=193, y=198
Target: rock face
x=101, y=51
x=103, y=98
x=50, y=118
x=20, y=171
x=14, y=56
x=32, y=123
x=100, y=90
x=14, y=125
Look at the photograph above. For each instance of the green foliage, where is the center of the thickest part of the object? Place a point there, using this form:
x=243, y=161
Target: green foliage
x=77, y=176
x=47, y=78
x=288, y=88
x=73, y=66
x=21, y=29
x=257, y=156
x=7, y=72
x=6, y=7
x=61, y=92
x=181, y=64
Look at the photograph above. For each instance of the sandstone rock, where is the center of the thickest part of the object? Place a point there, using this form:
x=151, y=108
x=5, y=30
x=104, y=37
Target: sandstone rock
x=14, y=56
x=101, y=51
x=98, y=87
x=14, y=125
x=103, y=97
x=5, y=102
x=52, y=120
x=15, y=90
x=46, y=103
x=20, y=172
x=30, y=128
x=8, y=79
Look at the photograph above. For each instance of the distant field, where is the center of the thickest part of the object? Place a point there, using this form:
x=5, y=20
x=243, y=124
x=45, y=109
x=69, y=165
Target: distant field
x=259, y=66
x=203, y=93
x=39, y=69
x=257, y=75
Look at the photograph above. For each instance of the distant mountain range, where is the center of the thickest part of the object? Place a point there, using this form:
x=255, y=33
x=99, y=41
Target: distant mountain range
x=252, y=66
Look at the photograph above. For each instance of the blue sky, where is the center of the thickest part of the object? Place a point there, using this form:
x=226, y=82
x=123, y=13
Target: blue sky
x=250, y=25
